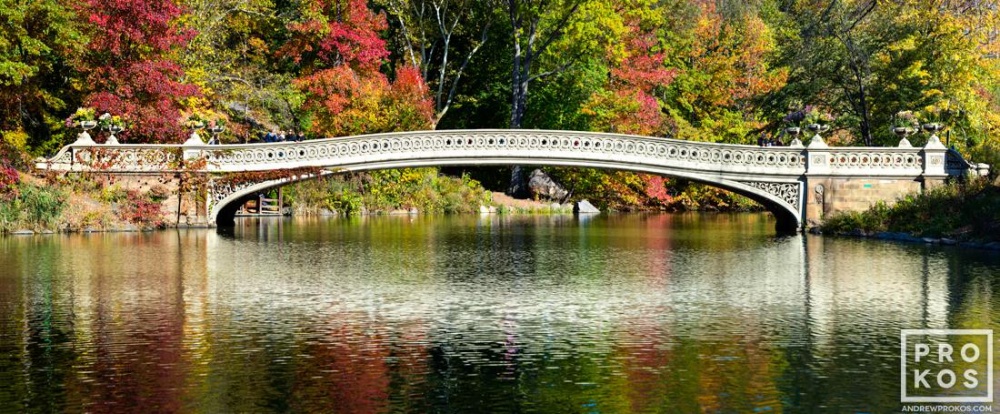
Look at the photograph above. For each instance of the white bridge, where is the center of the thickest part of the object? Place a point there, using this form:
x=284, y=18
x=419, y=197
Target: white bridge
x=777, y=177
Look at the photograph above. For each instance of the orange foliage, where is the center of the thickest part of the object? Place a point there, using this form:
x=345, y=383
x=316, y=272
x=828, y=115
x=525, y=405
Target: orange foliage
x=345, y=102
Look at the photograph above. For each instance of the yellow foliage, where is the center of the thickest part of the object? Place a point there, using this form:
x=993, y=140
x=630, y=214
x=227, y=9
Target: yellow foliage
x=18, y=139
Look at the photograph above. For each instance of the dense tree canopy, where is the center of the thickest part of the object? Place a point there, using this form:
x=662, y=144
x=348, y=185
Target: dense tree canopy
x=707, y=70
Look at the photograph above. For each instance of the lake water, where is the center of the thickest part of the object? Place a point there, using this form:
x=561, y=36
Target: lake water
x=609, y=314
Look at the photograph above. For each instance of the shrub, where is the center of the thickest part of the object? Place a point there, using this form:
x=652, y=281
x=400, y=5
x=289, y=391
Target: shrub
x=961, y=210
x=420, y=188
x=114, y=194
x=34, y=207
x=141, y=209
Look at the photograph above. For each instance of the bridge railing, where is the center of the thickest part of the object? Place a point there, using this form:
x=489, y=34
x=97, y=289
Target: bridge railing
x=868, y=161
x=506, y=147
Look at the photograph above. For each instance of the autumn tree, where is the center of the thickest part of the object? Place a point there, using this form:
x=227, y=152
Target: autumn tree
x=637, y=72
x=441, y=37
x=337, y=45
x=36, y=81
x=131, y=67
x=232, y=60
x=627, y=103
x=724, y=66
x=868, y=60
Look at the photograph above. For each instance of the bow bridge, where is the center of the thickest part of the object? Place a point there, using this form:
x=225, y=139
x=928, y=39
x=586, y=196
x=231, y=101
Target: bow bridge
x=799, y=185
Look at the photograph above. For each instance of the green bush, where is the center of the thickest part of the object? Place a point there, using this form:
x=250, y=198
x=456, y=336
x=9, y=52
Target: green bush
x=113, y=194
x=960, y=210
x=34, y=208
x=421, y=188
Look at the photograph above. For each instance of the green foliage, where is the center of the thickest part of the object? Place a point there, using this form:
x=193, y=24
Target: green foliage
x=387, y=190
x=696, y=70
x=868, y=60
x=37, y=41
x=34, y=208
x=113, y=194
x=701, y=197
x=960, y=210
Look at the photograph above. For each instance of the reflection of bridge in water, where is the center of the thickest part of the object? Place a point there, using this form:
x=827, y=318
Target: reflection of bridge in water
x=351, y=309
x=796, y=184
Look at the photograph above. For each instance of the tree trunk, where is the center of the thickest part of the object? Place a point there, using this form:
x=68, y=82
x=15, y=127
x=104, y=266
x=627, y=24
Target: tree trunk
x=525, y=18
x=518, y=187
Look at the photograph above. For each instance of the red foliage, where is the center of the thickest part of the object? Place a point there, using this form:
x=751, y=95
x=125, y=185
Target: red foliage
x=337, y=44
x=337, y=32
x=141, y=209
x=10, y=159
x=346, y=102
x=409, y=85
x=9, y=179
x=411, y=100
x=643, y=68
x=128, y=68
x=634, y=82
x=128, y=23
x=628, y=105
x=656, y=190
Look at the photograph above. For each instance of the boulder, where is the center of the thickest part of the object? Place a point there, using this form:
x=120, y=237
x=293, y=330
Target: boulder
x=584, y=207
x=542, y=186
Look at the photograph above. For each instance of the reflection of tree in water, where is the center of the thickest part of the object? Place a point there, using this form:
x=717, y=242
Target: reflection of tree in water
x=346, y=368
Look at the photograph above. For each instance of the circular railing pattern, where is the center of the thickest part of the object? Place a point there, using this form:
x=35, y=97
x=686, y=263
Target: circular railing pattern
x=598, y=147
x=888, y=159
x=583, y=147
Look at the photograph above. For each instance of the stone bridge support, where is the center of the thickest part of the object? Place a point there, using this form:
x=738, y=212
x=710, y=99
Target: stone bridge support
x=853, y=179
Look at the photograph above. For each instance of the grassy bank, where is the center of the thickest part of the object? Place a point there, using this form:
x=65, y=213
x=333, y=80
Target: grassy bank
x=959, y=211
x=76, y=203
x=422, y=189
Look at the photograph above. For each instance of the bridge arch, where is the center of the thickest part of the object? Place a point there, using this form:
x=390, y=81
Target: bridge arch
x=779, y=197
x=837, y=178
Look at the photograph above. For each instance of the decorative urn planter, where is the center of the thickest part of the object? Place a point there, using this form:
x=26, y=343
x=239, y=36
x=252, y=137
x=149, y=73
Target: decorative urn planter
x=933, y=140
x=83, y=138
x=112, y=139
x=933, y=127
x=903, y=132
x=216, y=129
x=817, y=141
x=818, y=128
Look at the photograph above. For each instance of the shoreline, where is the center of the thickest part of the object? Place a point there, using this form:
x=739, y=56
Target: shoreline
x=907, y=238
x=897, y=237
